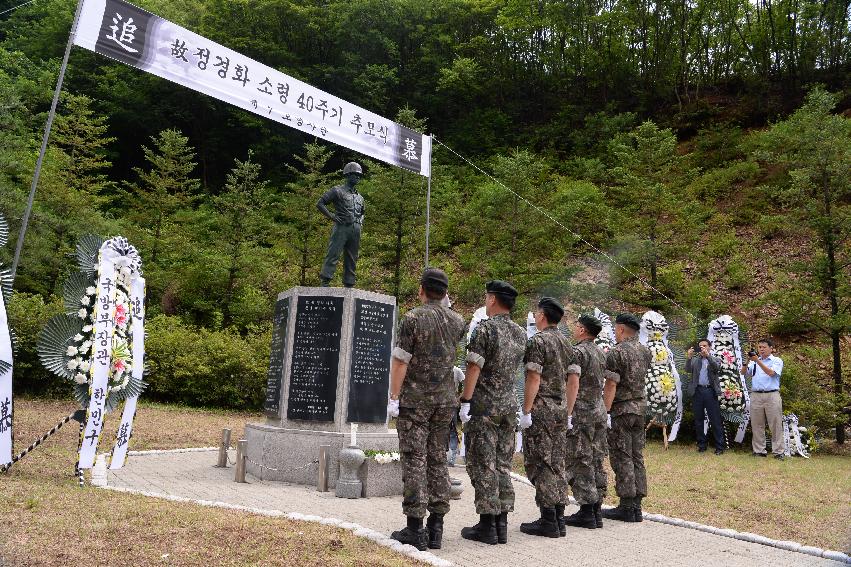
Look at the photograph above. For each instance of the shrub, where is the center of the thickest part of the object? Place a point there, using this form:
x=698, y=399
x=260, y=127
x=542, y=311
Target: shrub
x=200, y=367
x=28, y=314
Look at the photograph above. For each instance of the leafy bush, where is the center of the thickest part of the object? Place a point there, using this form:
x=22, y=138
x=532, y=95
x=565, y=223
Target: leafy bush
x=200, y=367
x=738, y=272
x=28, y=314
x=805, y=394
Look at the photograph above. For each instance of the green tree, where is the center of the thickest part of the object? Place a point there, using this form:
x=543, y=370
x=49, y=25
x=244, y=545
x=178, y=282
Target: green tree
x=82, y=136
x=394, y=201
x=165, y=187
x=242, y=224
x=814, y=145
x=303, y=221
x=645, y=162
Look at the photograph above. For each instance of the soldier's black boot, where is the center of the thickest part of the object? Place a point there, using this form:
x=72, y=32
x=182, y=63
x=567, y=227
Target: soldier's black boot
x=484, y=531
x=623, y=512
x=562, y=530
x=598, y=513
x=545, y=526
x=435, y=530
x=584, y=518
x=413, y=534
x=502, y=528
x=636, y=507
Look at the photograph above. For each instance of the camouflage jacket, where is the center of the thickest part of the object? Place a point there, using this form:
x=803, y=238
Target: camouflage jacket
x=550, y=354
x=627, y=364
x=426, y=341
x=589, y=407
x=496, y=347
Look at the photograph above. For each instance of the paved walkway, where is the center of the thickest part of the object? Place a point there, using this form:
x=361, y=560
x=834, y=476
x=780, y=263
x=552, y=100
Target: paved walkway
x=192, y=475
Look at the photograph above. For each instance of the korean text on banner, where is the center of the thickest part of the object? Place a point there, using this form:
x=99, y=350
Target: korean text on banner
x=5, y=387
x=133, y=36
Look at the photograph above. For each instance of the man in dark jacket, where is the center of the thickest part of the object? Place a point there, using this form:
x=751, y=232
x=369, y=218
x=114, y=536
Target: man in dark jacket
x=704, y=389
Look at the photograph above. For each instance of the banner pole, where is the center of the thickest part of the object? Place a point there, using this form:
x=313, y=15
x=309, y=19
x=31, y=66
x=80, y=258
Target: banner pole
x=20, y=243
x=428, y=208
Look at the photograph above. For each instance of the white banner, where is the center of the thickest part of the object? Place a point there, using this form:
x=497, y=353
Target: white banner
x=133, y=36
x=125, y=430
x=5, y=386
x=104, y=328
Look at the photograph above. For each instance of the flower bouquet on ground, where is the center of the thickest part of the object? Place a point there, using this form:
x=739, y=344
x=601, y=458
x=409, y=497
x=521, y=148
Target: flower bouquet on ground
x=69, y=345
x=662, y=384
x=723, y=336
x=606, y=339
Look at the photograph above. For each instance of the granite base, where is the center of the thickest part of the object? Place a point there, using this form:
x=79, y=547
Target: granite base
x=292, y=455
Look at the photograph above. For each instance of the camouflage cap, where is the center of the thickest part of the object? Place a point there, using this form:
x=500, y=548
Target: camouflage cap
x=629, y=320
x=591, y=324
x=435, y=279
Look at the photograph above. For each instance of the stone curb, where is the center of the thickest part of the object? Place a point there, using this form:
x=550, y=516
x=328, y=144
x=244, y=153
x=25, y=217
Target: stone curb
x=744, y=536
x=356, y=529
x=166, y=451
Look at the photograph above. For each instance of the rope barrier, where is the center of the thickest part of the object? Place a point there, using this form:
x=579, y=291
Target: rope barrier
x=37, y=442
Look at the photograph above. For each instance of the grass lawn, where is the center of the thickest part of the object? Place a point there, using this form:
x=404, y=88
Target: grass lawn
x=805, y=500
x=49, y=513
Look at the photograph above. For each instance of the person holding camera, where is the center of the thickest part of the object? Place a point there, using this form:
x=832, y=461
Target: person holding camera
x=765, y=369
x=704, y=389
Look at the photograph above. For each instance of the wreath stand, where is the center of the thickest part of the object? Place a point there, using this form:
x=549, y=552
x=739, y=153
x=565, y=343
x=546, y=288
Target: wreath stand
x=663, y=425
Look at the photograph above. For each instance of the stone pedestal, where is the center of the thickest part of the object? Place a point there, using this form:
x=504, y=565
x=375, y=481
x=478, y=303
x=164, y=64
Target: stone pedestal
x=329, y=368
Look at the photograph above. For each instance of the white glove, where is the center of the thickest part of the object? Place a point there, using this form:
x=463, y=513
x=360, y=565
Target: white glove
x=458, y=374
x=525, y=421
x=393, y=408
x=464, y=413
x=570, y=422
x=608, y=421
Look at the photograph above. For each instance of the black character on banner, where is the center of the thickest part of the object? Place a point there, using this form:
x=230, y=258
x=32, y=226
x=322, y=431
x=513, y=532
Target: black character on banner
x=224, y=64
x=203, y=56
x=179, y=49
x=241, y=74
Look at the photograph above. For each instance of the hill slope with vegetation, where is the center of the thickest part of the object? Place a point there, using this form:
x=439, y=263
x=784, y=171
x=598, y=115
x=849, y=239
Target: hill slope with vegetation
x=693, y=157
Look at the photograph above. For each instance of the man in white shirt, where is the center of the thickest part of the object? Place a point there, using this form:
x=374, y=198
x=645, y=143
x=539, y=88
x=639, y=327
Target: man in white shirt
x=765, y=369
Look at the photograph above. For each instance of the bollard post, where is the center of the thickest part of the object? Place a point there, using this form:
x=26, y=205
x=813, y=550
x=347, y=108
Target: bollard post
x=322, y=483
x=223, y=449
x=239, y=471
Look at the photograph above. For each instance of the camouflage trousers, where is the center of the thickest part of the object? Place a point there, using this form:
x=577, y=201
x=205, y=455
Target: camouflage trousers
x=585, y=456
x=489, y=445
x=626, y=442
x=543, y=455
x=423, y=442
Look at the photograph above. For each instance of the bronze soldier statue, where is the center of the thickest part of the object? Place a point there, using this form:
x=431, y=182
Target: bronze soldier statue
x=549, y=358
x=586, y=437
x=489, y=412
x=348, y=220
x=423, y=396
x=626, y=368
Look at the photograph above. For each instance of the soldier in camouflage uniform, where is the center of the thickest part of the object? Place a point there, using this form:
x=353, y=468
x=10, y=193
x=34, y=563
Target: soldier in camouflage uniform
x=423, y=395
x=586, y=439
x=626, y=368
x=489, y=410
x=549, y=358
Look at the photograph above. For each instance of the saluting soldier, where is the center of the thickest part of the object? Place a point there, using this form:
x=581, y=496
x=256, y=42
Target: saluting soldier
x=626, y=368
x=586, y=439
x=489, y=411
x=549, y=358
x=423, y=396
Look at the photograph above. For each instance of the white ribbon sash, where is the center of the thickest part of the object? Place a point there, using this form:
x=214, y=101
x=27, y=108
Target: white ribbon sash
x=5, y=387
x=125, y=430
x=104, y=328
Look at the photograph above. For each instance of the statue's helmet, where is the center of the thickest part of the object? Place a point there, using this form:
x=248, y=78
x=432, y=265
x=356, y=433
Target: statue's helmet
x=352, y=167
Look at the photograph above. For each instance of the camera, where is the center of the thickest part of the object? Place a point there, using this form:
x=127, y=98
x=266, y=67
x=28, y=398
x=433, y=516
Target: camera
x=751, y=353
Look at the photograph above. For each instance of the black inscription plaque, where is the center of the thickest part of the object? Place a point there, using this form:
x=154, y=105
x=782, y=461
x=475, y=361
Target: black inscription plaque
x=272, y=405
x=315, y=358
x=369, y=378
